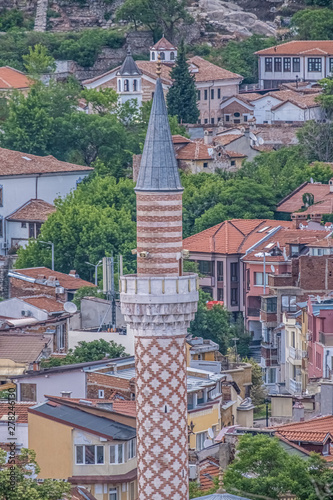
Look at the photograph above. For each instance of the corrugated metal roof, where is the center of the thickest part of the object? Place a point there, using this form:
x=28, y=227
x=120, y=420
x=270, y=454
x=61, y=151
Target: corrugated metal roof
x=80, y=418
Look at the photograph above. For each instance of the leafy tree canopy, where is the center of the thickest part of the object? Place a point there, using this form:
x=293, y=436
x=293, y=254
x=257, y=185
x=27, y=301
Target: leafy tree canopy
x=325, y=99
x=86, y=291
x=25, y=486
x=38, y=61
x=312, y=24
x=263, y=467
x=182, y=95
x=88, y=351
x=316, y=140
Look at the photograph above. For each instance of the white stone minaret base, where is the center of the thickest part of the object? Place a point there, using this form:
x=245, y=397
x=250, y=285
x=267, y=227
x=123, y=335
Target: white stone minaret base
x=158, y=311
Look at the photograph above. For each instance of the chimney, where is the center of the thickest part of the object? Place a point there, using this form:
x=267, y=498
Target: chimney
x=316, y=217
x=65, y=394
x=35, y=366
x=298, y=412
x=73, y=273
x=208, y=136
x=297, y=219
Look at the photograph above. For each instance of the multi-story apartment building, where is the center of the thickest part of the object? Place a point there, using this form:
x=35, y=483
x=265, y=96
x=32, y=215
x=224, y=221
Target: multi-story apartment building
x=295, y=345
x=320, y=336
x=298, y=60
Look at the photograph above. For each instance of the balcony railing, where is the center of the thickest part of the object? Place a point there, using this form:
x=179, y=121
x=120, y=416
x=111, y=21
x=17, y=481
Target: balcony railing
x=295, y=353
x=295, y=387
x=253, y=311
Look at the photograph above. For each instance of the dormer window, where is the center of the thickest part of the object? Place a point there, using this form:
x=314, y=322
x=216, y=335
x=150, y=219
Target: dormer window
x=172, y=56
x=162, y=56
x=126, y=86
x=294, y=250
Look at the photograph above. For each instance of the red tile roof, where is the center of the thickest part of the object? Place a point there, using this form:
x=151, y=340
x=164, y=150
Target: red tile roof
x=300, y=47
x=231, y=236
x=179, y=139
x=315, y=430
x=209, y=468
x=47, y=304
x=17, y=163
x=66, y=281
x=226, y=139
x=204, y=70
x=163, y=44
x=21, y=411
x=125, y=407
x=22, y=348
x=294, y=201
x=33, y=210
x=194, y=151
x=11, y=78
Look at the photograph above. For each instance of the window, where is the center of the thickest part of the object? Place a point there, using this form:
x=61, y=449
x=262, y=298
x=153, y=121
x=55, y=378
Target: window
x=288, y=303
x=293, y=339
x=314, y=64
x=278, y=64
x=172, y=56
x=206, y=95
x=153, y=56
x=117, y=454
x=206, y=120
x=89, y=454
x=269, y=305
x=219, y=93
x=232, y=163
x=318, y=360
x=234, y=296
x=119, y=85
x=237, y=115
x=205, y=165
x=199, y=121
x=268, y=64
x=287, y=64
x=205, y=267
x=1, y=227
x=331, y=64
x=31, y=230
x=326, y=449
x=200, y=439
x=212, y=121
x=296, y=64
x=198, y=95
x=212, y=93
x=234, y=271
x=135, y=85
x=60, y=335
x=227, y=118
x=126, y=85
x=1, y=196
x=294, y=250
x=132, y=485
x=271, y=376
x=131, y=448
x=162, y=55
x=219, y=271
x=28, y=392
x=259, y=279
x=100, y=394
x=220, y=294
x=23, y=224
x=113, y=494
x=245, y=118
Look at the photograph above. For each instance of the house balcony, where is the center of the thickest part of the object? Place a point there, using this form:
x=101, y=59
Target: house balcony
x=253, y=312
x=280, y=280
x=207, y=281
x=269, y=355
x=295, y=387
x=295, y=355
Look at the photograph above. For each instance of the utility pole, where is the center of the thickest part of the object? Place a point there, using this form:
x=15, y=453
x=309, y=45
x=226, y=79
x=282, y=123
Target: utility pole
x=52, y=251
x=96, y=266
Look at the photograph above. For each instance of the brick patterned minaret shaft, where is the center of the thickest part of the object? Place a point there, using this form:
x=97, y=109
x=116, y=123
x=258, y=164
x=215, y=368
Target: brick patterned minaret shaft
x=158, y=304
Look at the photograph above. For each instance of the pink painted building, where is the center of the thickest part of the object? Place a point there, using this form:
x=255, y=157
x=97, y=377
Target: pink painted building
x=320, y=337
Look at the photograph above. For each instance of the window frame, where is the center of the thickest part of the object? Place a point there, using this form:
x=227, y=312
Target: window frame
x=292, y=306
x=315, y=64
x=201, y=436
x=219, y=93
x=198, y=95
x=131, y=449
x=116, y=454
x=296, y=64
x=113, y=491
x=84, y=459
x=268, y=64
x=287, y=64
x=212, y=94
x=205, y=94
x=277, y=64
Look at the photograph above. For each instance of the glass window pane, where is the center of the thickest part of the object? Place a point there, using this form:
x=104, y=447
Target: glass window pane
x=100, y=454
x=120, y=453
x=112, y=454
x=90, y=454
x=79, y=454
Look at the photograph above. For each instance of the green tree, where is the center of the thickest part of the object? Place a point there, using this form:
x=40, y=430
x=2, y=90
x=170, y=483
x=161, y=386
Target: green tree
x=258, y=391
x=86, y=291
x=316, y=140
x=24, y=486
x=263, y=467
x=182, y=95
x=38, y=61
x=196, y=491
x=98, y=218
x=312, y=24
x=88, y=351
x=325, y=99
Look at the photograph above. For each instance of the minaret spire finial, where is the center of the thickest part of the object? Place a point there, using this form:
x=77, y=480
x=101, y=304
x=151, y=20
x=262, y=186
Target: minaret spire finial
x=158, y=69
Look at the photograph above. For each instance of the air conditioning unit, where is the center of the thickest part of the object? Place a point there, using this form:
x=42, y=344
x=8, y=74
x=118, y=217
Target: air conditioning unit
x=59, y=289
x=5, y=245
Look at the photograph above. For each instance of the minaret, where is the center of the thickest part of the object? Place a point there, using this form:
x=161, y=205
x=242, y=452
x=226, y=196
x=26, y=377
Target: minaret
x=159, y=303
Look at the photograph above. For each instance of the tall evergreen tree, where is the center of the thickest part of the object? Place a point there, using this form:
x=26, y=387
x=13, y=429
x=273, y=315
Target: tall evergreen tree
x=182, y=96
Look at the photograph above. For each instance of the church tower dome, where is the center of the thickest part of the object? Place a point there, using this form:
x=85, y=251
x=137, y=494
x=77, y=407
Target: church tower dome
x=129, y=80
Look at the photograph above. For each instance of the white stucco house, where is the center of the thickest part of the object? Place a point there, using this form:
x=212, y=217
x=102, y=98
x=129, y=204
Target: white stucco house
x=29, y=185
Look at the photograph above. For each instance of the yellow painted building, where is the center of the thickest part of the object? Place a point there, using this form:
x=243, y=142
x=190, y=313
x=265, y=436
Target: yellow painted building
x=75, y=443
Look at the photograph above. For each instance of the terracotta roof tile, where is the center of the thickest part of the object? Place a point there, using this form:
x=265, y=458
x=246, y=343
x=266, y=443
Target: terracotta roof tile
x=65, y=280
x=294, y=201
x=21, y=411
x=314, y=430
x=231, y=236
x=194, y=151
x=204, y=70
x=125, y=407
x=300, y=47
x=209, y=469
x=179, y=139
x=33, y=211
x=17, y=163
x=45, y=303
x=11, y=78
x=163, y=43
x=22, y=348
x=226, y=139
x=149, y=68
x=234, y=154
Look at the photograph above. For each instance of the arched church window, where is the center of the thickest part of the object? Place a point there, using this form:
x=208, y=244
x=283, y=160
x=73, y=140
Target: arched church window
x=126, y=86
x=162, y=55
x=172, y=56
x=153, y=56
x=135, y=85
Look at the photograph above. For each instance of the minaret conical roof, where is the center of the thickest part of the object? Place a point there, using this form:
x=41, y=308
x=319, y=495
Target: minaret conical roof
x=158, y=169
x=129, y=67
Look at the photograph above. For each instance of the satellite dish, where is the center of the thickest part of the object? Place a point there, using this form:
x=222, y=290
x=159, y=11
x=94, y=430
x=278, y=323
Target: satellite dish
x=70, y=307
x=210, y=433
x=253, y=137
x=261, y=141
x=272, y=268
x=207, y=443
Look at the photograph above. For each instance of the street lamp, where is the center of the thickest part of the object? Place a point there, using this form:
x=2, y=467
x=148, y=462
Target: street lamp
x=96, y=266
x=263, y=254
x=52, y=250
